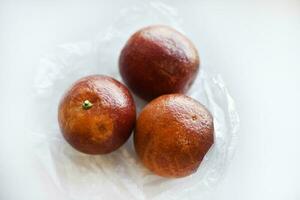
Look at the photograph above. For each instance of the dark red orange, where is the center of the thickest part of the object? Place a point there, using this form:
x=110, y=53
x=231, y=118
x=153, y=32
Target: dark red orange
x=173, y=133
x=158, y=60
x=97, y=114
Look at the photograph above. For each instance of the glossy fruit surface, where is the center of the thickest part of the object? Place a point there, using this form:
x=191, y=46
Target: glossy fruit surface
x=158, y=60
x=173, y=133
x=97, y=114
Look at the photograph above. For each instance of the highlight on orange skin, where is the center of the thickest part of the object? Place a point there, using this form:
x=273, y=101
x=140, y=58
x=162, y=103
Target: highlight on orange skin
x=158, y=60
x=172, y=135
x=97, y=114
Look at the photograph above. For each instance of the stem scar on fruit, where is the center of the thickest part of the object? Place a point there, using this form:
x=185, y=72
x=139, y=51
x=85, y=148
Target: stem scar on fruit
x=87, y=105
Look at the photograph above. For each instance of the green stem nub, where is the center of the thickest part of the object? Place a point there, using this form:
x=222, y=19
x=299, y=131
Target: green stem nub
x=87, y=105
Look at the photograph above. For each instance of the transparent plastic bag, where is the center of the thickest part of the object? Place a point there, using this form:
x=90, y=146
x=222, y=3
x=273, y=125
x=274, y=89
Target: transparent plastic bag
x=120, y=175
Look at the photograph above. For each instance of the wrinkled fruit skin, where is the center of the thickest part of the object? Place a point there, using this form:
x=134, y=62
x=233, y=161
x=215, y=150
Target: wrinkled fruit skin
x=172, y=135
x=158, y=60
x=107, y=124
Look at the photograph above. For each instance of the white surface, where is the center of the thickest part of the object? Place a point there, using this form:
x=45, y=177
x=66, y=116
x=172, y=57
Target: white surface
x=120, y=175
x=254, y=45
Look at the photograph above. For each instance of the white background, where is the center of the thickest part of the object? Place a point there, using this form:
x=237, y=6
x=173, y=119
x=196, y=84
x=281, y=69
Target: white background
x=255, y=45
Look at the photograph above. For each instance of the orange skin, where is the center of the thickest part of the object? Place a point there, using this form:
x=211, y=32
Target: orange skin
x=103, y=127
x=173, y=133
x=158, y=60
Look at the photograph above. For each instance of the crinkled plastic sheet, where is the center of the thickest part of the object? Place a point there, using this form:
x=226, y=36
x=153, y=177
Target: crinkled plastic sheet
x=120, y=175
